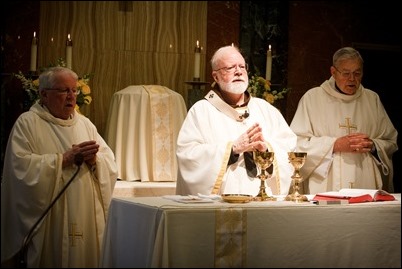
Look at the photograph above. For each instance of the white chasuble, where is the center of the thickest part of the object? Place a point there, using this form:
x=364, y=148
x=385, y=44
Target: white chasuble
x=204, y=144
x=323, y=115
x=71, y=234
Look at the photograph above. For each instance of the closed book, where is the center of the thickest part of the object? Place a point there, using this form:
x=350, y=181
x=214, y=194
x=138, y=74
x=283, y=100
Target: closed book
x=355, y=195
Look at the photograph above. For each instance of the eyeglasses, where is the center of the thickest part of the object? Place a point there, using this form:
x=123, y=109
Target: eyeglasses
x=232, y=69
x=347, y=74
x=65, y=91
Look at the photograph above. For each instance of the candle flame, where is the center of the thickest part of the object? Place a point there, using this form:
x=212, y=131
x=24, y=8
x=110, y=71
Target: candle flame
x=34, y=34
x=198, y=44
x=68, y=37
x=269, y=47
x=51, y=39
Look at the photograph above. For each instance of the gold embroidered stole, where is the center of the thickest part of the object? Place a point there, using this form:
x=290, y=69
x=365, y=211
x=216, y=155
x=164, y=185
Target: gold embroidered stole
x=163, y=147
x=222, y=106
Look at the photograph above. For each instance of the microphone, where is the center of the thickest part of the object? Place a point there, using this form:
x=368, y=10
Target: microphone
x=23, y=253
x=78, y=159
x=244, y=115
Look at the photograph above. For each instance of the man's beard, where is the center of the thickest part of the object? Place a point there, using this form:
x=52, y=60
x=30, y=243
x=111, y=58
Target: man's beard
x=234, y=87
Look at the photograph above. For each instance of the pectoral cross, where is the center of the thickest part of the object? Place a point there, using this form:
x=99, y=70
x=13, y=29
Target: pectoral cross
x=348, y=125
x=74, y=233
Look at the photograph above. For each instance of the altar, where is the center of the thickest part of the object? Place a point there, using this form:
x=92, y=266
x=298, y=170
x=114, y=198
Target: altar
x=142, y=128
x=158, y=232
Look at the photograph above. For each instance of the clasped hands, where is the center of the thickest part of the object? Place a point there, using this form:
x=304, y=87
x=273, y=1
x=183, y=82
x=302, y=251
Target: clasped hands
x=356, y=142
x=251, y=140
x=86, y=149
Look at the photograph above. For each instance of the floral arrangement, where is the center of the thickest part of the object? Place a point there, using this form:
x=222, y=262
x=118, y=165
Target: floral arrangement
x=260, y=87
x=31, y=86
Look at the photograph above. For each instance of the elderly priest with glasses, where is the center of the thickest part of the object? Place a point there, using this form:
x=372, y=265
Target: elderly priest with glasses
x=221, y=131
x=345, y=130
x=45, y=220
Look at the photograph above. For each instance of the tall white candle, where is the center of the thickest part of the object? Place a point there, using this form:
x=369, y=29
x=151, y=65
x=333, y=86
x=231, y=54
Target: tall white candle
x=268, y=69
x=197, y=60
x=34, y=53
x=69, y=51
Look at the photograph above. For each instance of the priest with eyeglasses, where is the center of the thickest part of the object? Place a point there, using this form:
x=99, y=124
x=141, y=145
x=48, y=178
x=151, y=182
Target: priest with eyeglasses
x=217, y=139
x=57, y=184
x=345, y=130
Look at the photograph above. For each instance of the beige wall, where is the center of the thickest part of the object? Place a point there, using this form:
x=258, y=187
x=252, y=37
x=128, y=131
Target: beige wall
x=125, y=43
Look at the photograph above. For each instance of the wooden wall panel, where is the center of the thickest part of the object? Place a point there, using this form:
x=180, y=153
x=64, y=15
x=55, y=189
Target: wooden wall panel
x=125, y=43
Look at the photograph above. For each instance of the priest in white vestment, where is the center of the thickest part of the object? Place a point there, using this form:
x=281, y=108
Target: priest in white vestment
x=220, y=132
x=345, y=130
x=45, y=148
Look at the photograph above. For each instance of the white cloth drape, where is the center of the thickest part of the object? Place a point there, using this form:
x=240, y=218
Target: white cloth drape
x=142, y=129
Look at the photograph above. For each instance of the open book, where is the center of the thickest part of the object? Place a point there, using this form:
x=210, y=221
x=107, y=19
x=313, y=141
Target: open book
x=355, y=195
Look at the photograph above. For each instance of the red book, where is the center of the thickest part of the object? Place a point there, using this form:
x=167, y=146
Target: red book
x=355, y=196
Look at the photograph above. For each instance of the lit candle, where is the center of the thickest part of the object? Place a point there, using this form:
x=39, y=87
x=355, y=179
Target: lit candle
x=197, y=61
x=34, y=51
x=268, y=70
x=69, y=51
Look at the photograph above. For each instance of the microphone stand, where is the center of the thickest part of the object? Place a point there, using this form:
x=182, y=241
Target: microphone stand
x=23, y=253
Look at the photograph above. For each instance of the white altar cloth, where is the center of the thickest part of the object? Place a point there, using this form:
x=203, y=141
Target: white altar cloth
x=142, y=128
x=157, y=232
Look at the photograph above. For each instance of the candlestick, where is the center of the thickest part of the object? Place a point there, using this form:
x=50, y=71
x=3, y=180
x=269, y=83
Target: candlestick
x=197, y=61
x=268, y=69
x=69, y=51
x=34, y=51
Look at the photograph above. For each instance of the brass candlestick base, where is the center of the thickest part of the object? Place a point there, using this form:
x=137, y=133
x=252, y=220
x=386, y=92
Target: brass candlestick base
x=263, y=160
x=297, y=159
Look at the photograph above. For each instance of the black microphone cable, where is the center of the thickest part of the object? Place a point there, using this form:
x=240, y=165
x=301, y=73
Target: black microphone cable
x=23, y=253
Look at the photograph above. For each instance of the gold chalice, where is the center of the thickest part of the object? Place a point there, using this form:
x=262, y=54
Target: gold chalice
x=297, y=159
x=263, y=160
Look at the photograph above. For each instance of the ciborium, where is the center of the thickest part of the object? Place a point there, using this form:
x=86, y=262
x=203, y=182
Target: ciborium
x=297, y=159
x=263, y=160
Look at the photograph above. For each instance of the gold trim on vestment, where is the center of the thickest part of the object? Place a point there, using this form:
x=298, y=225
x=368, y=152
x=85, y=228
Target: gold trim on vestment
x=222, y=171
x=276, y=171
